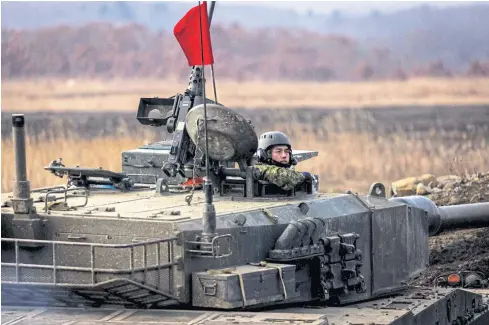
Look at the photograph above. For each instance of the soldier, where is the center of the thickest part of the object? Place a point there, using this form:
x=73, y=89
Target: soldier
x=275, y=161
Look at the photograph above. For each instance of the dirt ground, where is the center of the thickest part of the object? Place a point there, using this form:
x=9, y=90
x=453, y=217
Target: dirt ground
x=459, y=250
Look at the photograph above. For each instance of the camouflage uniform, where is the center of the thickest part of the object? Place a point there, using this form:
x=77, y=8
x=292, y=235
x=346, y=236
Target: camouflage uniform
x=285, y=178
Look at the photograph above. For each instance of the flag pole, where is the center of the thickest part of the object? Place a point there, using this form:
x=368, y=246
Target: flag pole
x=211, y=11
x=203, y=94
x=209, y=217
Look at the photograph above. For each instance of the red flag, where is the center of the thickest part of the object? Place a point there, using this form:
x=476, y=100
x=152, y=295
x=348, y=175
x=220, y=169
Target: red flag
x=187, y=32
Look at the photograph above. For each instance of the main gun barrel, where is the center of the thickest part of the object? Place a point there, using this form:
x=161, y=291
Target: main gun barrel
x=473, y=215
x=464, y=216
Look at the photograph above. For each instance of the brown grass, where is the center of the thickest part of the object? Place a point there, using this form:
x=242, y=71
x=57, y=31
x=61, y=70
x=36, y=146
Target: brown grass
x=355, y=161
x=99, y=152
x=346, y=160
x=123, y=95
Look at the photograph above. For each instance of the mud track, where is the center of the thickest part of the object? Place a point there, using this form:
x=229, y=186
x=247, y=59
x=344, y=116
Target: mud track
x=460, y=250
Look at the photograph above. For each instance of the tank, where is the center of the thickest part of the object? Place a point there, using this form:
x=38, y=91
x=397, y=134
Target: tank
x=189, y=233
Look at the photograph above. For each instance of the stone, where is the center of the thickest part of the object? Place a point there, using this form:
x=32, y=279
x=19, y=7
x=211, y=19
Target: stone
x=455, y=200
x=421, y=189
x=448, y=189
x=406, y=186
x=427, y=178
x=476, y=198
x=448, y=178
x=436, y=190
x=449, y=186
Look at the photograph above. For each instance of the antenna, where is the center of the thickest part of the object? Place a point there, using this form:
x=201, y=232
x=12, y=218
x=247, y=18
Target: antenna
x=209, y=218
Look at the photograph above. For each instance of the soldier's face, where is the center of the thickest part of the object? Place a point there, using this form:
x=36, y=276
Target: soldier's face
x=281, y=154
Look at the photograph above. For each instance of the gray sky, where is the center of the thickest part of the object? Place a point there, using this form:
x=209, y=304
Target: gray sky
x=351, y=7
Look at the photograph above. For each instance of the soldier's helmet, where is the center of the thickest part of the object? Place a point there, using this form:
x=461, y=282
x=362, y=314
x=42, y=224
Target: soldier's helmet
x=267, y=141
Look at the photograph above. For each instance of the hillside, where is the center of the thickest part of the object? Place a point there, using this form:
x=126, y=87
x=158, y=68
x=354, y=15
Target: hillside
x=134, y=39
x=164, y=15
x=107, y=50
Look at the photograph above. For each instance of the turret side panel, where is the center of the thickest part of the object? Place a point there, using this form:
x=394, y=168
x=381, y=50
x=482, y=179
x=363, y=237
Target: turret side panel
x=399, y=247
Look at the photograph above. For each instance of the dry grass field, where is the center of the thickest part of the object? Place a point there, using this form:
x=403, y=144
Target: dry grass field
x=99, y=152
x=348, y=159
x=123, y=95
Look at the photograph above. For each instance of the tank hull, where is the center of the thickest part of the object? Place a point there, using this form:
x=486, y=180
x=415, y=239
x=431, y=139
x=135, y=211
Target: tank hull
x=117, y=248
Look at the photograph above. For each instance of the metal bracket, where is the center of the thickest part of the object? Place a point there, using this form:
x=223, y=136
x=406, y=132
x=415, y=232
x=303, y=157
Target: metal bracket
x=377, y=190
x=65, y=191
x=210, y=250
x=162, y=186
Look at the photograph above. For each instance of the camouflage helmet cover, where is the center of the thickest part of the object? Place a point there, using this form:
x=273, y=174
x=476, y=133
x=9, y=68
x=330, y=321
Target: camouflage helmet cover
x=273, y=138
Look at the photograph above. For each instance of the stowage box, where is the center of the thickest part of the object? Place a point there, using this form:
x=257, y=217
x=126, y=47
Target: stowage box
x=224, y=288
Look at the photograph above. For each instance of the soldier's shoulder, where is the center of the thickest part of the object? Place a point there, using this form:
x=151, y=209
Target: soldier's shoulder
x=266, y=166
x=273, y=169
x=263, y=167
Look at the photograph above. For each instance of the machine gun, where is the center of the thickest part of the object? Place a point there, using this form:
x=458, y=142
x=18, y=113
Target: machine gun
x=183, y=159
x=173, y=162
x=86, y=177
